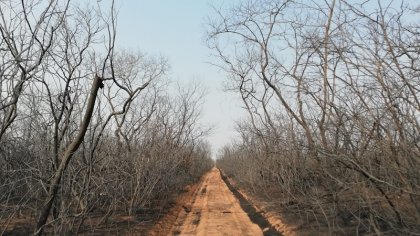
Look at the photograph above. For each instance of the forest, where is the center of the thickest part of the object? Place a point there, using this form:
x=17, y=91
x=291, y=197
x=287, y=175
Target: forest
x=86, y=129
x=332, y=91
x=91, y=134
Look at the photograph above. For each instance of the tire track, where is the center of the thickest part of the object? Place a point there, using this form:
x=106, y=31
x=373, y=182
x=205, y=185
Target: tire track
x=215, y=211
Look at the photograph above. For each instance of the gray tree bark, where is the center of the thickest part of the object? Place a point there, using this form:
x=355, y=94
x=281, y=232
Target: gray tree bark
x=68, y=154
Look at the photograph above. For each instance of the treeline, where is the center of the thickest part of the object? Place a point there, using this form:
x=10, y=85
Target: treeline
x=332, y=91
x=87, y=130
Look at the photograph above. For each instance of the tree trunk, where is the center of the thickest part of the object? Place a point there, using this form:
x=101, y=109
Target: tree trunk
x=74, y=145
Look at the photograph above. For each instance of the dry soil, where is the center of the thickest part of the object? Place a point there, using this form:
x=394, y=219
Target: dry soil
x=214, y=211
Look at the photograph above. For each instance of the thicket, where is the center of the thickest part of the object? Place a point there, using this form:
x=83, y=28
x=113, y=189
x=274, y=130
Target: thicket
x=87, y=130
x=332, y=89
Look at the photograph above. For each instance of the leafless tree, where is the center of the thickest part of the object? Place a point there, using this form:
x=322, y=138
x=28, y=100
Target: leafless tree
x=87, y=131
x=27, y=35
x=332, y=90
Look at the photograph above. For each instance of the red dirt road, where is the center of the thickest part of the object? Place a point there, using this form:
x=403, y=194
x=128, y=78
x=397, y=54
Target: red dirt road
x=215, y=211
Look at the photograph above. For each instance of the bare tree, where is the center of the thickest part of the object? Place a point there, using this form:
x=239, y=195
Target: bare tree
x=27, y=35
x=344, y=77
x=87, y=132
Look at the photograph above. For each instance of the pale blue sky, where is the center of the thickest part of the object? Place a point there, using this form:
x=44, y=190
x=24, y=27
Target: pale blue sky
x=176, y=30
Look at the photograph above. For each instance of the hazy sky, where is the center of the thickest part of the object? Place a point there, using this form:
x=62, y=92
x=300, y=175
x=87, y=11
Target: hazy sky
x=176, y=30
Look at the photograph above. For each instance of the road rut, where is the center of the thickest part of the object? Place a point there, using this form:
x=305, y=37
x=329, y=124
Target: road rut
x=215, y=211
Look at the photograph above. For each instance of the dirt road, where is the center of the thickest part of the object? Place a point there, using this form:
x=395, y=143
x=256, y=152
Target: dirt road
x=215, y=211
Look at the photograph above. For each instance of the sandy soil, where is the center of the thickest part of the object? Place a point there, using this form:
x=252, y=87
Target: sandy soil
x=274, y=219
x=214, y=211
x=264, y=210
x=207, y=207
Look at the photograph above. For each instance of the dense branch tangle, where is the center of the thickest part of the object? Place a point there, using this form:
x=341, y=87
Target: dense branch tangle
x=332, y=90
x=86, y=130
